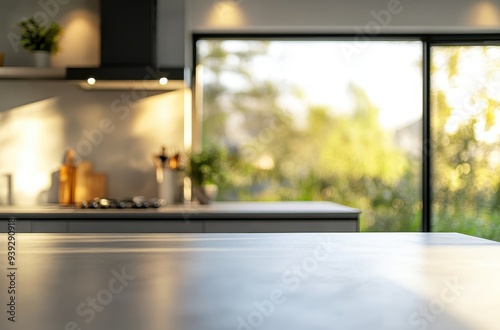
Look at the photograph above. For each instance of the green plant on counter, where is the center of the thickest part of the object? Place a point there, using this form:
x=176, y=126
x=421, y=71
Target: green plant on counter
x=37, y=37
x=207, y=167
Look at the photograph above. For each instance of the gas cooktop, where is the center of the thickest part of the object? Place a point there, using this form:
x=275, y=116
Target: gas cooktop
x=137, y=202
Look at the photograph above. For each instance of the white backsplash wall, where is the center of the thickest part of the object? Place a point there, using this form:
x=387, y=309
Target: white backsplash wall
x=118, y=131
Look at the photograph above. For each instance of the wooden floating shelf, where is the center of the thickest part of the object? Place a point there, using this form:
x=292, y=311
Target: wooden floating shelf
x=32, y=73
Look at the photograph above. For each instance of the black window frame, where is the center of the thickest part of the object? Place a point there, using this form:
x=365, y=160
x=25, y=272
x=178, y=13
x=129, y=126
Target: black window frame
x=428, y=41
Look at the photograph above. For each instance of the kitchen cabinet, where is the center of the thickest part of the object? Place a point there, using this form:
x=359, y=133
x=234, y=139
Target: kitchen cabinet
x=134, y=226
x=221, y=217
x=280, y=226
x=35, y=226
x=22, y=226
x=49, y=226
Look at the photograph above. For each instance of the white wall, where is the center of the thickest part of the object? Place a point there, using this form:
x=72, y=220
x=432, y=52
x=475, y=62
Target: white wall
x=118, y=131
x=39, y=119
x=342, y=15
x=80, y=43
x=79, y=19
x=356, y=17
x=178, y=19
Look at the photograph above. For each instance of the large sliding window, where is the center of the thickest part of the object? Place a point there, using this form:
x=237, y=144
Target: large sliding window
x=317, y=120
x=342, y=121
x=465, y=108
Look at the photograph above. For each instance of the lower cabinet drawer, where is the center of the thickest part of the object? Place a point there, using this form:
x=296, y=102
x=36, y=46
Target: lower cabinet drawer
x=134, y=226
x=280, y=226
x=49, y=226
x=22, y=226
x=182, y=226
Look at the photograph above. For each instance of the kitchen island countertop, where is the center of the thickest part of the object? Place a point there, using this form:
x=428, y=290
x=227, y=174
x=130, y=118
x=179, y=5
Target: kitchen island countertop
x=217, y=210
x=356, y=281
x=218, y=217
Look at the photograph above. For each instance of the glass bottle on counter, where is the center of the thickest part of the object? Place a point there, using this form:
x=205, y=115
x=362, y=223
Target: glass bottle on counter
x=67, y=179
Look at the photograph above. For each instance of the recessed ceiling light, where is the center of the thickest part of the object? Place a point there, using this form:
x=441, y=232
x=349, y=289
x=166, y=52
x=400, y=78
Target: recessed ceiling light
x=163, y=81
x=91, y=81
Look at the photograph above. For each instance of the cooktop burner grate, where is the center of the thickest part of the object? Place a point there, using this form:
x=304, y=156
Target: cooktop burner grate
x=138, y=202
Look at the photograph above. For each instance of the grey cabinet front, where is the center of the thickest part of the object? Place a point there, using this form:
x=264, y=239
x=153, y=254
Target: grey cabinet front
x=134, y=226
x=280, y=226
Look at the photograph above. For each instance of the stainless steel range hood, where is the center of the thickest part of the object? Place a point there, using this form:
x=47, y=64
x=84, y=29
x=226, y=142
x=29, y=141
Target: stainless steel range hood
x=128, y=51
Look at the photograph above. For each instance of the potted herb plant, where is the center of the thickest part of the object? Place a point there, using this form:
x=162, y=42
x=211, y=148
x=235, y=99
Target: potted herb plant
x=206, y=170
x=39, y=39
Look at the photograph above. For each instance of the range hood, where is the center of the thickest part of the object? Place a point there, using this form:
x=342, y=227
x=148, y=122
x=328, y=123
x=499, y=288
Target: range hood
x=128, y=51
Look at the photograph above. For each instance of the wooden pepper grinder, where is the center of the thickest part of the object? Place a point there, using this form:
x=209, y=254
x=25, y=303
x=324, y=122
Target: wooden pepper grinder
x=67, y=179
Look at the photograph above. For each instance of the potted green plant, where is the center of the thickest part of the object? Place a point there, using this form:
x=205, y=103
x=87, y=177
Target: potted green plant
x=206, y=170
x=39, y=39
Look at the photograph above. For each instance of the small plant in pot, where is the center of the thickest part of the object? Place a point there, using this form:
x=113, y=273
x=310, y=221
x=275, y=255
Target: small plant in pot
x=206, y=170
x=39, y=39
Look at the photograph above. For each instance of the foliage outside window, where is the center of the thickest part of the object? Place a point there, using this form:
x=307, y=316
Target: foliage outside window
x=466, y=139
x=263, y=101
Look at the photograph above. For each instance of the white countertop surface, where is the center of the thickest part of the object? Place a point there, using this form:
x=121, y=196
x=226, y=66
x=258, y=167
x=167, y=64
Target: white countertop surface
x=356, y=281
x=217, y=210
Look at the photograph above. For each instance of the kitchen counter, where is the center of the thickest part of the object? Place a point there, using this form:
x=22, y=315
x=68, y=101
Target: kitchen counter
x=355, y=281
x=216, y=217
